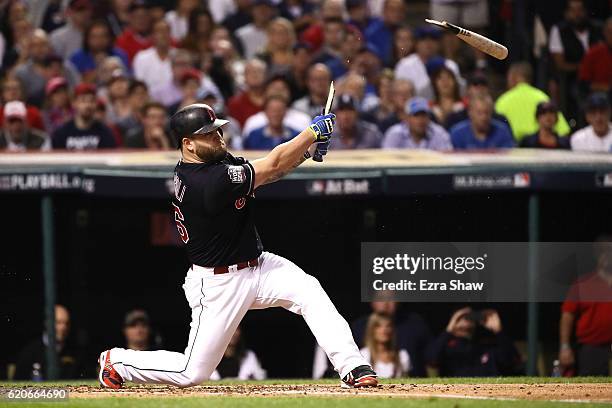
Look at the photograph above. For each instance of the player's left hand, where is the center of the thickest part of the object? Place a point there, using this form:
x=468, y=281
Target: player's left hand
x=322, y=127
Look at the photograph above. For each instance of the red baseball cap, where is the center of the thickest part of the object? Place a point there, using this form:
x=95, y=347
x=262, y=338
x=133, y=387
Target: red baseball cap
x=84, y=89
x=191, y=73
x=54, y=84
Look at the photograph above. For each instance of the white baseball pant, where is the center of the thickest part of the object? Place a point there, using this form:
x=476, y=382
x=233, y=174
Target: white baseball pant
x=218, y=304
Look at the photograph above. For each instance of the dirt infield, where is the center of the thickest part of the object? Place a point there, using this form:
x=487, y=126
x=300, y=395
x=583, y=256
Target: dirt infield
x=595, y=392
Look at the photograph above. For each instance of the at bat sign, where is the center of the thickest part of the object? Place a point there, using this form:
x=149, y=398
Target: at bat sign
x=476, y=40
x=330, y=98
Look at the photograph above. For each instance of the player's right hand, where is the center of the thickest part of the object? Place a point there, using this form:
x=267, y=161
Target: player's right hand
x=320, y=151
x=322, y=127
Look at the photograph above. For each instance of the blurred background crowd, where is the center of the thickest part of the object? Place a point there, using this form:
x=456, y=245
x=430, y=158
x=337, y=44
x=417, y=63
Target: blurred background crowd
x=82, y=74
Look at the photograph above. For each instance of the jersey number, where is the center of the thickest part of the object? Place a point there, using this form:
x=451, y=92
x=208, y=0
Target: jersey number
x=179, y=218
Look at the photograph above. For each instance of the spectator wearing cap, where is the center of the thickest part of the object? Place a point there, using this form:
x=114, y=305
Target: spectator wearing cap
x=275, y=131
x=318, y=80
x=546, y=137
x=68, y=39
x=595, y=70
x=350, y=131
x=278, y=51
x=57, y=109
x=447, y=100
x=137, y=330
x=250, y=101
x=38, y=68
x=83, y=132
x=417, y=131
x=178, y=19
x=481, y=131
x=414, y=67
x=518, y=104
x=331, y=53
x=153, y=135
x=190, y=84
x=12, y=90
x=597, y=136
x=170, y=93
x=97, y=45
x=297, y=75
x=16, y=135
x=137, y=35
x=380, y=32
x=402, y=91
x=153, y=65
x=254, y=35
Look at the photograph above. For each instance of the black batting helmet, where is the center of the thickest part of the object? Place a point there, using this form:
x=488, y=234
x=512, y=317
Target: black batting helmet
x=194, y=119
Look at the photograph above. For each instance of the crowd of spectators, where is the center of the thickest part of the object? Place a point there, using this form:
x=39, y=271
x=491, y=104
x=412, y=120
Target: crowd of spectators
x=79, y=74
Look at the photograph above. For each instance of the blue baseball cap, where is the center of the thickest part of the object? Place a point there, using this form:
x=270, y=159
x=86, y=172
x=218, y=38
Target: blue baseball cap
x=417, y=105
x=427, y=31
x=597, y=101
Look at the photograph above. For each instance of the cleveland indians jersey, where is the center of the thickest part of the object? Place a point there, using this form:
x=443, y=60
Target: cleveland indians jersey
x=213, y=211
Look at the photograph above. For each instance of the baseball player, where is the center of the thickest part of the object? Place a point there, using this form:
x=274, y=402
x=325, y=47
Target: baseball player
x=230, y=272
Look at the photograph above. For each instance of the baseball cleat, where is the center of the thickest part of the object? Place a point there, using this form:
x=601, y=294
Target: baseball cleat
x=109, y=377
x=362, y=376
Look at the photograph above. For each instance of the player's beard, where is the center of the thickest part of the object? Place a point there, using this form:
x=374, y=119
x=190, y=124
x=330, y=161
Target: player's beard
x=210, y=154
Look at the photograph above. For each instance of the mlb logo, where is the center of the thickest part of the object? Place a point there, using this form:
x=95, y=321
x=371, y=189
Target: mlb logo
x=522, y=180
x=236, y=174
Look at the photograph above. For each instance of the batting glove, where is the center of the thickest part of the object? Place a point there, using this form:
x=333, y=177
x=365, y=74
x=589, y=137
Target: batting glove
x=321, y=151
x=322, y=127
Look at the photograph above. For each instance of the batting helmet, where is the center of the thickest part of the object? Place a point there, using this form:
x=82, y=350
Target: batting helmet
x=194, y=119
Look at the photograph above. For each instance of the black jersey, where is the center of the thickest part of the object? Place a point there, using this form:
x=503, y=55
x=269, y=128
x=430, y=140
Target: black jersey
x=213, y=211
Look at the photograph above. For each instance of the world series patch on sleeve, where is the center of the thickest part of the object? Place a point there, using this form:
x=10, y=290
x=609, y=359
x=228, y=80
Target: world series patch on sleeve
x=236, y=174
